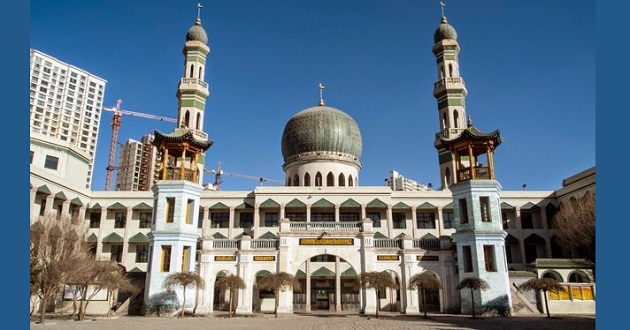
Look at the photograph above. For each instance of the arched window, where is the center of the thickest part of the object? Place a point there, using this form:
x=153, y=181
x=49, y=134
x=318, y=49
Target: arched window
x=444, y=121
x=296, y=180
x=187, y=118
x=342, y=180
x=330, y=180
x=318, y=179
x=192, y=71
x=201, y=73
x=578, y=277
x=450, y=70
x=441, y=72
x=455, y=119
x=307, y=180
x=350, y=182
x=289, y=182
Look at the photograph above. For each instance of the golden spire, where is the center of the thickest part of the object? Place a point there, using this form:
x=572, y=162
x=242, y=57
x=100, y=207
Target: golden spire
x=321, y=95
x=198, y=20
x=442, y=4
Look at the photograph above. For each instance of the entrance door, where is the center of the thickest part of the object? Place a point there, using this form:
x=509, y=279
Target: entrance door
x=321, y=302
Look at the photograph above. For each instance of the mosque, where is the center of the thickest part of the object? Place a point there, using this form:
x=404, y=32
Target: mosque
x=322, y=226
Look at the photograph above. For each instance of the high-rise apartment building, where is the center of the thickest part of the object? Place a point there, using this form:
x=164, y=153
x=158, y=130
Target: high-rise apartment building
x=136, y=169
x=65, y=104
x=400, y=183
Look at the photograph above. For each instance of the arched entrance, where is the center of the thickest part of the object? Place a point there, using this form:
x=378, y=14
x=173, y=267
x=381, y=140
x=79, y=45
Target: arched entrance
x=328, y=283
x=220, y=301
x=263, y=300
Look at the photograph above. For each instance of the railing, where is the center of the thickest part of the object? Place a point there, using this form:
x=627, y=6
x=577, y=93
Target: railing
x=354, y=226
x=225, y=243
x=264, y=243
x=448, y=81
x=194, y=81
x=174, y=173
x=449, y=133
x=387, y=243
x=481, y=172
x=427, y=244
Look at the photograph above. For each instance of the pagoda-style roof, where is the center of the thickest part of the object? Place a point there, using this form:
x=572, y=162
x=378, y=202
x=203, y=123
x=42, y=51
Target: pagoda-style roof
x=181, y=135
x=473, y=134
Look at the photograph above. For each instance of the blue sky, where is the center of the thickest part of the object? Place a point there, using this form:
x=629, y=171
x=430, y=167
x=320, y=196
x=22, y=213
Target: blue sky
x=529, y=67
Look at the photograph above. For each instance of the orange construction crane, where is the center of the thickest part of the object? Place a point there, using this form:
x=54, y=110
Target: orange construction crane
x=115, y=126
x=219, y=172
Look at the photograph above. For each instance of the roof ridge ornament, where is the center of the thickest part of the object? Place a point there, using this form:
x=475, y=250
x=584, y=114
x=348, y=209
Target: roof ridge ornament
x=442, y=5
x=321, y=94
x=470, y=122
x=198, y=20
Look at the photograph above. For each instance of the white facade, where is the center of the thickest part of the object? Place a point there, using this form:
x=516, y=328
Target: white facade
x=65, y=103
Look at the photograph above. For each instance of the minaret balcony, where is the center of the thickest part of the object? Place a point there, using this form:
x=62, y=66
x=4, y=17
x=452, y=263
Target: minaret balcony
x=193, y=84
x=175, y=173
x=449, y=133
x=452, y=83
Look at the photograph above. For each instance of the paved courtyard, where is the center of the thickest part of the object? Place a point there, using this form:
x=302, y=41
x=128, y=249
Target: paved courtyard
x=323, y=321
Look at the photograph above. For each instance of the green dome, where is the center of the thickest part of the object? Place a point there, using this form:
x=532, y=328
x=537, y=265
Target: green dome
x=321, y=129
x=444, y=31
x=196, y=32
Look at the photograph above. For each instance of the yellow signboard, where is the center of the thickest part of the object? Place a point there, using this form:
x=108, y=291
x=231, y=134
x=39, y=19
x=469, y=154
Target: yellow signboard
x=326, y=241
x=428, y=258
x=387, y=257
x=224, y=258
x=264, y=258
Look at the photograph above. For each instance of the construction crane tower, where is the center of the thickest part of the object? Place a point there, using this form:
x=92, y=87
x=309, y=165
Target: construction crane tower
x=116, y=119
x=218, y=173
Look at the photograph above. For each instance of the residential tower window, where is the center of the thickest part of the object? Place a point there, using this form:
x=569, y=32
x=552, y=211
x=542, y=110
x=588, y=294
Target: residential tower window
x=484, y=202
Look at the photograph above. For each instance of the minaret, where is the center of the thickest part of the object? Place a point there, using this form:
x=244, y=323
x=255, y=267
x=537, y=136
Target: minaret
x=450, y=93
x=479, y=235
x=192, y=90
x=176, y=195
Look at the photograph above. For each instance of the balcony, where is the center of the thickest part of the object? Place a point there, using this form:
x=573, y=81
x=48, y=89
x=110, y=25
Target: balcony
x=481, y=172
x=354, y=226
x=453, y=83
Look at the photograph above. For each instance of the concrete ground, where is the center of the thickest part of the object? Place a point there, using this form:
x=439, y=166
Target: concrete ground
x=389, y=321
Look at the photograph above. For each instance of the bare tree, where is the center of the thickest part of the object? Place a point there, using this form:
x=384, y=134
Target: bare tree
x=425, y=281
x=574, y=226
x=472, y=283
x=277, y=282
x=379, y=281
x=185, y=280
x=232, y=283
x=56, y=248
x=545, y=284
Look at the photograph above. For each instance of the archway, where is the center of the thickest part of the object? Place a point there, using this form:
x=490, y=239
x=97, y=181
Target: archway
x=220, y=300
x=328, y=283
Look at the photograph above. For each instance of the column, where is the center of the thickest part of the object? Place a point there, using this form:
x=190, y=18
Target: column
x=231, y=222
x=244, y=303
x=308, y=213
x=390, y=223
x=337, y=285
x=99, y=243
x=307, y=307
x=123, y=258
x=34, y=212
x=414, y=223
x=440, y=221
x=49, y=204
x=65, y=208
x=336, y=212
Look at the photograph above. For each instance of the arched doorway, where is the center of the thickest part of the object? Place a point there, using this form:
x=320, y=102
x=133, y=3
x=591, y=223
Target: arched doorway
x=263, y=300
x=328, y=283
x=220, y=302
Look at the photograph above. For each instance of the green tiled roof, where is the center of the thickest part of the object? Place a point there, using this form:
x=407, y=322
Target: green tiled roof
x=377, y=203
x=218, y=236
x=527, y=206
x=76, y=201
x=139, y=238
x=269, y=203
x=323, y=272
x=116, y=206
x=561, y=263
x=44, y=189
x=350, y=203
x=92, y=238
x=506, y=206
x=61, y=195
x=426, y=206
x=268, y=235
x=219, y=206
x=429, y=236
x=448, y=206
x=322, y=203
x=244, y=206
x=300, y=273
x=379, y=235
x=295, y=203
x=96, y=206
x=142, y=206
x=136, y=270
x=401, y=206
x=349, y=272
x=113, y=238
